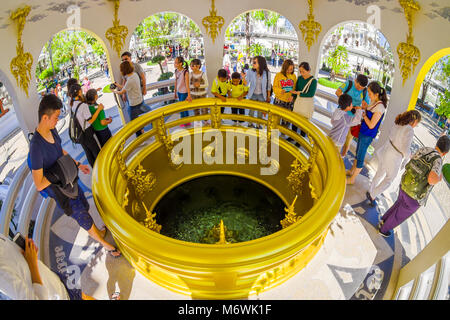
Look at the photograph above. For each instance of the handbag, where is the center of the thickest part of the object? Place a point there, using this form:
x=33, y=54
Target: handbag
x=304, y=106
x=355, y=130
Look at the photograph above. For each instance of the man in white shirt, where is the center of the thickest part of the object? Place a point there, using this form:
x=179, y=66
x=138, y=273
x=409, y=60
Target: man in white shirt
x=24, y=277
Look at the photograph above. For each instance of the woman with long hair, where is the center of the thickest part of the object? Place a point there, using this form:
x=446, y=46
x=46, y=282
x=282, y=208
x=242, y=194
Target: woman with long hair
x=370, y=124
x=259, y=82
x=394, y=155
x=284, y=85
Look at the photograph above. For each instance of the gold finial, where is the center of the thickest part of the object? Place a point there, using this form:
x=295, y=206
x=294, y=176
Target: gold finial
x=150, y=221
x=21, y=65
x=213, y=23
x=408, y=53
x=310, y=28
x=117, y=33
x=222, y=239
x=291, y=217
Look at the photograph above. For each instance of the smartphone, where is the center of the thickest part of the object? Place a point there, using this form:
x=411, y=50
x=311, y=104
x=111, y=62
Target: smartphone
x=19, y=240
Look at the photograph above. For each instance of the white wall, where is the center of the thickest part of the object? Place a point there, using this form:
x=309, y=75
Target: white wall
x=429, y=36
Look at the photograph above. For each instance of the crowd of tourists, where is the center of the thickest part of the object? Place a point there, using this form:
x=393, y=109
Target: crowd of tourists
x=361, y=109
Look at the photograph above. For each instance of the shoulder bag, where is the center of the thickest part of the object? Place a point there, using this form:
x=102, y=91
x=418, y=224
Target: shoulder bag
x=304, y=106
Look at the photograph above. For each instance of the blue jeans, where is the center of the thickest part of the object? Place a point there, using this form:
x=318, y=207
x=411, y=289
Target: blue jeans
x=256, y=97
x=182, y=97
x=361, y=149
x=136, y=111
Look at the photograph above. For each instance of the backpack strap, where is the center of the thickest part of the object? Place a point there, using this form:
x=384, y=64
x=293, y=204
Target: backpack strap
x=350, y=85
x=75, y=114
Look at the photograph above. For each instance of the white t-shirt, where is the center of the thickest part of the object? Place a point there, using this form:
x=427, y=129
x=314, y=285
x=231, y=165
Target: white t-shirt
x=133, y=88
x=15, y=276
x=83, y=114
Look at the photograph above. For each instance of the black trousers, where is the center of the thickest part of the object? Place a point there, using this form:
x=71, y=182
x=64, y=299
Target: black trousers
x=90, y=145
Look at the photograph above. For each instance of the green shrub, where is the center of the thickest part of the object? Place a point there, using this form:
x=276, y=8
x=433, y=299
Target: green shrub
x=165, y=76
x=48, y=73
x=330, y=84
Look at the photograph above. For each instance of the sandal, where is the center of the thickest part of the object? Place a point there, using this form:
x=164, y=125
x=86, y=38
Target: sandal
x=110, y=252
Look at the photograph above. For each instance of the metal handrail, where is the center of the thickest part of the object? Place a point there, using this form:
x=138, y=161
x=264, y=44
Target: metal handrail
x=8, y=204
x=40, y=237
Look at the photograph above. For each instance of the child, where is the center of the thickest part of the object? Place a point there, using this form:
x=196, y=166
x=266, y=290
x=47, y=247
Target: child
x=220, y=86
x=342, y=120
x=100, y=124
x=237, y=90
x=198, y=83
x=182, y=87
x=85, y=119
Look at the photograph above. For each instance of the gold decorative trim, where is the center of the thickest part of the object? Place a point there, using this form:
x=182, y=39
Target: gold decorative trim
x=299, y=173
x=215, y=116
x=291, y=217
x=150, y=221
x=310, y=28
x=408, y=53
x=21, y=65
x=213, y=23
x=141, y=181
x=117, y=33
x=165, y=139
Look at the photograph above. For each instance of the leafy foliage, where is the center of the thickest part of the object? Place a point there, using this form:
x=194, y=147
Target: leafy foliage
x=338, y=60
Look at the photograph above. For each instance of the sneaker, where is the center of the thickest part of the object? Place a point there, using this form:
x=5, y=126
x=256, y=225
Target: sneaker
x=371, y=200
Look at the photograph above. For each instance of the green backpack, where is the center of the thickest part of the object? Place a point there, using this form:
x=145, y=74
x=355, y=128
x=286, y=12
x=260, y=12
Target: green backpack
x=415, y=179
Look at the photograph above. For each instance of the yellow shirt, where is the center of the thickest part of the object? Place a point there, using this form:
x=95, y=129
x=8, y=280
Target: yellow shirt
x=281, y=83
x=220, y=87
x=237, y=91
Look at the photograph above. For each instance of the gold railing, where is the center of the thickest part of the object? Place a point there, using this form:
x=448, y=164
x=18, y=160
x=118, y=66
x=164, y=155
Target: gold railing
x=132, y=174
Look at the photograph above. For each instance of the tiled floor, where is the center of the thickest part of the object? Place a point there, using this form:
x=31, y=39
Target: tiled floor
x=354, y=262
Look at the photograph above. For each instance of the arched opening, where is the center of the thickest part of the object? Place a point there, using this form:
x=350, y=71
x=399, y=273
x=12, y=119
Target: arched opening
x=259, y=33
x=351, y=48
x=78, y=54
x=158, y=40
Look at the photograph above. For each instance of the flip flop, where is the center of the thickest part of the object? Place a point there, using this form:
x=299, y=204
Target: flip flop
x=110, y=252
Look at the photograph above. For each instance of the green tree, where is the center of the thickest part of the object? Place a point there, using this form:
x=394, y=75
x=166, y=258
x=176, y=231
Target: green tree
x=444, y=105
x=338, y=61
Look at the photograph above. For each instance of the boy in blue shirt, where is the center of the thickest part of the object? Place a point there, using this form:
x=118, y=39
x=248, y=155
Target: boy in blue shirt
x=360, y=98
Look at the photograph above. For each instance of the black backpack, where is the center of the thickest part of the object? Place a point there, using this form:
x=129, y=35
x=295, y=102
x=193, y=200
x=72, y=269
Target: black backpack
x=75, y=129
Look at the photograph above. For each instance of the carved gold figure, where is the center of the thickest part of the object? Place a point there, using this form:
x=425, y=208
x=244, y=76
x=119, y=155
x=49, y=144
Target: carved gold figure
x=117, y=33
x=213, y=23
x=21, y=65
x=408, y=53
x=168, y=143
x=141, y=181
x=291, y=217
x=310, y=28
x=299, y=173
x=150, y=221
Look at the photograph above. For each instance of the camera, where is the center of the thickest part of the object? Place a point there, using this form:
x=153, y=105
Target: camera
x=113, y=86
x=353, y=110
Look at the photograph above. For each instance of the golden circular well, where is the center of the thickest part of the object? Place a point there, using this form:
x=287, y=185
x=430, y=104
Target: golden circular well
x=222, y=271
